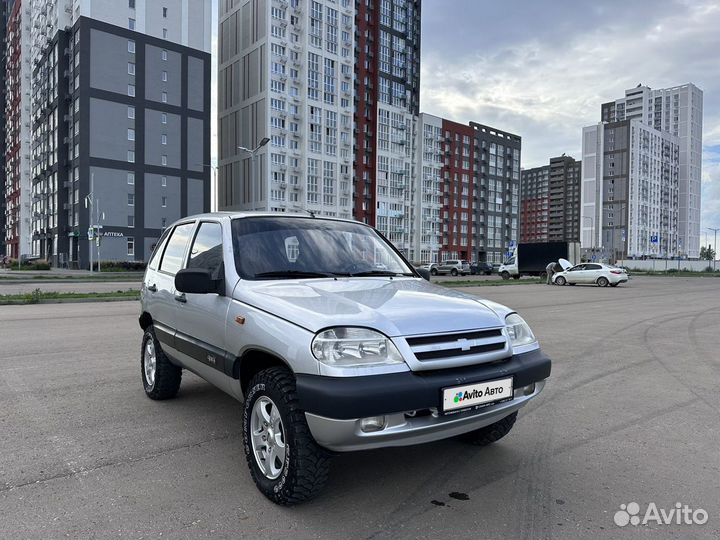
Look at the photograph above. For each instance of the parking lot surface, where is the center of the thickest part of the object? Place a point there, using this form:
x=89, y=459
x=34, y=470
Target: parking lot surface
x=631, y=414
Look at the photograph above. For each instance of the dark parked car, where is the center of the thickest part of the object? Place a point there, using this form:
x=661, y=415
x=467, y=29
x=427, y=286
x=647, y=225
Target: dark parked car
x=481, y=268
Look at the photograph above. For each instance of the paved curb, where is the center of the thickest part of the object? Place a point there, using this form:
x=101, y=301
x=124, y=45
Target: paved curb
x=70, y=301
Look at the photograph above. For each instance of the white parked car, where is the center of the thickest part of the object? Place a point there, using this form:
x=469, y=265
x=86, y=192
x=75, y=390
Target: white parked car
x=601, y=275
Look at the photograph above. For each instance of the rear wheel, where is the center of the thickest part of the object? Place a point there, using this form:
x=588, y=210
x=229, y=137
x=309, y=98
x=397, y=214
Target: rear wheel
x=560, y=280
x=602, y=282
x=505, y=275
x=516, y=277
x=453, y=272
x=285, y=462
x=161, y=379
x=613, y=284
x=493, y=432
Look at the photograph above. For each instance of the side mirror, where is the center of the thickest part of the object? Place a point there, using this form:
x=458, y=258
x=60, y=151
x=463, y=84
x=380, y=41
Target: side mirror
x=196, y=281
x=424, y=273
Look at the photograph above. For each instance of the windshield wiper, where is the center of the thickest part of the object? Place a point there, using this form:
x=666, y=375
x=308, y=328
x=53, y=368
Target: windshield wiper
x=292, y=274
x=381, y=273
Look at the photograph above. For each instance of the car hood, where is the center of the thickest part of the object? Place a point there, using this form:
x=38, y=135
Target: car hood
x=395, y=307
x=566, y=265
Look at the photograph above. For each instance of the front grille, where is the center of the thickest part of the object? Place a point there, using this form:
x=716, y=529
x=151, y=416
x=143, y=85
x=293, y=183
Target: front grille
x=459, y=344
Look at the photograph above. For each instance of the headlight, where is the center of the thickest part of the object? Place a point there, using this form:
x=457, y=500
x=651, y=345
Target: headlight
x=518, y=330
x=354, y=347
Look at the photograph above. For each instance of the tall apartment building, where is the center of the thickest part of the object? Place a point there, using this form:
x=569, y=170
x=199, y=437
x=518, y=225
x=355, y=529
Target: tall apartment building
x=387, y=86
x=5, y=6
x=17, y=131
x=679, y=111
x=550, y=202
x=121, y=124
x=497, y=177
x=630, y=196
x=285, y=73
x=428, y=190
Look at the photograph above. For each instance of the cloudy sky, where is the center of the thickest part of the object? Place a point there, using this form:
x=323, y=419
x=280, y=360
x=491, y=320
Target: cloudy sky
x=541, y=68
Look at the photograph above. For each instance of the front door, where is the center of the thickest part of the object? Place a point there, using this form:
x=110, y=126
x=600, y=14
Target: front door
x=201, y=318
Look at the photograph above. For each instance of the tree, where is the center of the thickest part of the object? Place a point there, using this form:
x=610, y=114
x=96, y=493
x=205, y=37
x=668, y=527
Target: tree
x=707, y=253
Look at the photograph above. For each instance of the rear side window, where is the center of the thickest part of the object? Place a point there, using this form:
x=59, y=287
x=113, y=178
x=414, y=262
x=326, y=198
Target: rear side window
x=157, y=250
x=593, y=267
x=173, y=258
x=206, y=251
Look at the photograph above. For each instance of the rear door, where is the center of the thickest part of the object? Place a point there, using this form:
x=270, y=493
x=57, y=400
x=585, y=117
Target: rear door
x=201, y=318
x=592, y=272
x=162, y=287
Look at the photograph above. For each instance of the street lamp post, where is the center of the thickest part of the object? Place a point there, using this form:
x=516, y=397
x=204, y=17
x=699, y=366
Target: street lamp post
x=214, y=169
x=715, y=230
x=253, y=154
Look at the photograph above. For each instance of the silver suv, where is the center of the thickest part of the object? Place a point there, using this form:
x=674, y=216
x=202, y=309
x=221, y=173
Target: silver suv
x=320, y=328
x=454, y=267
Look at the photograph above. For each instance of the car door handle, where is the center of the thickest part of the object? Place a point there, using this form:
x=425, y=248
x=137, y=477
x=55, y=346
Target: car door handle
x=180, y=298
x=152, y=288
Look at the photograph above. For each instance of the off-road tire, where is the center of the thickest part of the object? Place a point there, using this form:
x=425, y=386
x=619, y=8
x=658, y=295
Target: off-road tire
x=560, y=281
x=167, y=375
x=306, y=464
x=489, y=434
x=602, y=281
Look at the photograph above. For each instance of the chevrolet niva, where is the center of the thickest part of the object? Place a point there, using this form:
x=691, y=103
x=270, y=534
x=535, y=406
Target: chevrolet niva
x=331, y=340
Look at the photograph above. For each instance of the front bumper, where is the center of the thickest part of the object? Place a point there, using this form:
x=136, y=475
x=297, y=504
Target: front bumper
x=334, y=406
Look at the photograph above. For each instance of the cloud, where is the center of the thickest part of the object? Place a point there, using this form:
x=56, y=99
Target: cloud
x=543, y=69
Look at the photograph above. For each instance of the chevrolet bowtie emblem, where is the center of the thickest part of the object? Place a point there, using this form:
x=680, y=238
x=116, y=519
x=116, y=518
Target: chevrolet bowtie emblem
x=464, y=345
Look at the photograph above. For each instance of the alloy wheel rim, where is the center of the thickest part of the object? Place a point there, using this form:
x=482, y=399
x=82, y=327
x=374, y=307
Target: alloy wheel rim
x=150, y=362
x=267, y=435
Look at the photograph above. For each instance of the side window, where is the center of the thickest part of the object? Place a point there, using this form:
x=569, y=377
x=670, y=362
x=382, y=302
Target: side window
x=593, y=267
x=577, y=268
x=206, y=251
x=173, y=258
x=157, y=250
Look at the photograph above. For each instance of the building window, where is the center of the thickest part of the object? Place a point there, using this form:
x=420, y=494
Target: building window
x=164, y=13
x=164, y=33
x=131, y=247
x=131, y=179
x=131, y=4
x=164, y=54
x=131, y=112
x=131, y=156
x=131, y=199
x=131, y=23
x=163, y=118
x=163, y=181
x=131, y=90
x=164, y=76
x=164, y=201
x=164, y=160
x=131, y=134
x=164, y=97
x=163, y=139
x=131, y=46
x=131, y=68
x=131, y=221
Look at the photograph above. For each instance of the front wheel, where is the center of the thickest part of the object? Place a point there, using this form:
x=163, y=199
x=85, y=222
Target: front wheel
x=433, y=272
x=602, y=282
x=493, y=432
x=453, y=272
x=560, y=280
x=505, y=276
x=285, y=462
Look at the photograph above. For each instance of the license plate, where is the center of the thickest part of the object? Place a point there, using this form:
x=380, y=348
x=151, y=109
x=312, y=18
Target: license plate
x=472, y=395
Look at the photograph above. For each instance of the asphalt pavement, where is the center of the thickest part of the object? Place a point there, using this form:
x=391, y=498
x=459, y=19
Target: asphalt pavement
x=630, y=414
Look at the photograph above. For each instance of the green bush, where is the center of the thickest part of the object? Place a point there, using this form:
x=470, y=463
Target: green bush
x=38, y=264
x=708, y=269
x=672, y=271
x=122, y=266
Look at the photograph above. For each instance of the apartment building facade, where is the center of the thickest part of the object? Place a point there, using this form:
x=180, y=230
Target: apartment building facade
x=428, y=190
x=5, y=6
x=550, y=202
x=285, y=73
x=17, y=193
x=497, y=177
x=630, y=195
x=678, y=111
x=121, y=127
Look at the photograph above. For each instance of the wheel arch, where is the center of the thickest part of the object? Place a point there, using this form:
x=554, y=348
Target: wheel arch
x=253, y=361
x=145, y=320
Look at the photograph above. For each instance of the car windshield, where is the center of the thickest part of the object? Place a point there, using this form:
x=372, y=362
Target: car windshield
x=290, y=247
